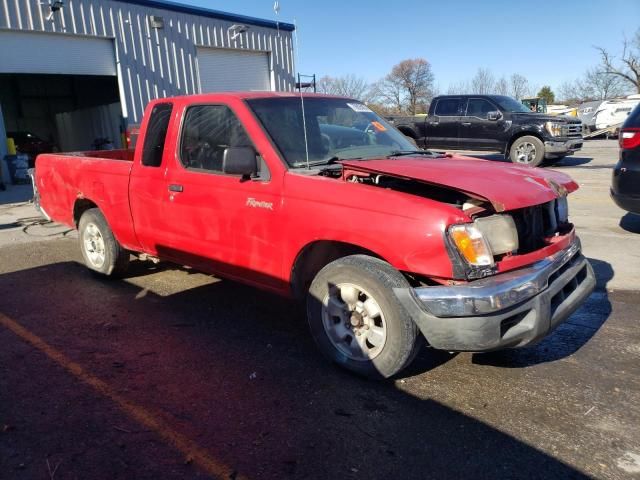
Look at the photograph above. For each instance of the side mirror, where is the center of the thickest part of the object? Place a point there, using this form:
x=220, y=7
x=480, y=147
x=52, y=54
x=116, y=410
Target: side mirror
x=240, y=161
x=494, y=116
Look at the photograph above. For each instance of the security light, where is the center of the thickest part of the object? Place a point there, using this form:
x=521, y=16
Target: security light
x=237, y=29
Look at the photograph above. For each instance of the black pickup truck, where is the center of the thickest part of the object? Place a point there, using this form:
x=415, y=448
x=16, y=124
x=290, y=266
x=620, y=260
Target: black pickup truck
x=494, y=123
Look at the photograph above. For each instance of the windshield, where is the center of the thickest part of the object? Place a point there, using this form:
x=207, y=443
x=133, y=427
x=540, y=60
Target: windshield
x=337, y=129
x=510, y=104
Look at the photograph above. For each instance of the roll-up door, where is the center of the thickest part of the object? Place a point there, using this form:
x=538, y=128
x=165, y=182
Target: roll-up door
x=223, y=70
x=26, y=52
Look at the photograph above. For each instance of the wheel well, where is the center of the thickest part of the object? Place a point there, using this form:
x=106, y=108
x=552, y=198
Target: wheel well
x=519, y=135
x=81, y=206
x=314, y=257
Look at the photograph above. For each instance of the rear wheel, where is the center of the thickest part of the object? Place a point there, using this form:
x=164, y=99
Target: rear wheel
x=100, y=250
x=356, y=319
x=527, y=150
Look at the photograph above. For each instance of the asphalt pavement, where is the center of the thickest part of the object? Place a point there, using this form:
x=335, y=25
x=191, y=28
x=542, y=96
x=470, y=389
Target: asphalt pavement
x=169, y=373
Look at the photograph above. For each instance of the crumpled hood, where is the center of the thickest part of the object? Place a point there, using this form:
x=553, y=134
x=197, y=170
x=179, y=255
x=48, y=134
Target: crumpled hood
x=505, y=186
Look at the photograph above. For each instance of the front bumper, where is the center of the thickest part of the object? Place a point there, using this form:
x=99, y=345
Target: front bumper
x=554, y=148
x=511, y=309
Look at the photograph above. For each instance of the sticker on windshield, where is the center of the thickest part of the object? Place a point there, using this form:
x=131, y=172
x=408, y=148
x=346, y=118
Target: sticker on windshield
x=378, y=126
x=359, y=107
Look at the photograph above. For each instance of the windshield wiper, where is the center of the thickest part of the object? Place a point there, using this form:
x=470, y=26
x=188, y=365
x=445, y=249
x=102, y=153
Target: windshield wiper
x=401, y=153
x=329, y=161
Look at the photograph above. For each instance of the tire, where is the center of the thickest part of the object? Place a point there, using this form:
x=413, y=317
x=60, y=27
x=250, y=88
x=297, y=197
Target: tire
x=370, y=333
x=100, y=250
x=527, y=150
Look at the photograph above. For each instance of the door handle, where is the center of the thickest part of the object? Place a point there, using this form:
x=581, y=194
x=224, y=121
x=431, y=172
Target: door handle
x=434, y=123
x=466, y=124
x=175, y=188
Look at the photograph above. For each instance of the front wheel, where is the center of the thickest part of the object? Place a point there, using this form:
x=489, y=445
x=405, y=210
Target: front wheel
x=527, y=150
x=100, y=250
x=356, y=319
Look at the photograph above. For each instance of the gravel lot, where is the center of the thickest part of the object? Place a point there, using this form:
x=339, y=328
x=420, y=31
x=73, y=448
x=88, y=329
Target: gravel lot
x=173, y=374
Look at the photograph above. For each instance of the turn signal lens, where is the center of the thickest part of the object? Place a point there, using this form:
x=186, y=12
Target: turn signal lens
x=629, y=138
x=471, y=244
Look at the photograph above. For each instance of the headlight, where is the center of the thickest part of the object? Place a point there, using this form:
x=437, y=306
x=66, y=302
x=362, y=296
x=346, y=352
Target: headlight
x=500, y=233
x=471, y=244
x=556, y=129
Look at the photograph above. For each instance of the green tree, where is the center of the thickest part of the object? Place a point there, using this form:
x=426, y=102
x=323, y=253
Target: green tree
x=546, y=93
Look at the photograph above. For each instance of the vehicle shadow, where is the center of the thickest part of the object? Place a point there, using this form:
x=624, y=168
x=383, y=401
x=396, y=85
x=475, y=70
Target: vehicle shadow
x=630, y=222
x=570, y=161
x=235, y=369
x=568, y=337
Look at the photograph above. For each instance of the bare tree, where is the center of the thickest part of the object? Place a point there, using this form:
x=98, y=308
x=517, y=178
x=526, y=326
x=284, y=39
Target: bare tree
x=519, y=86
x=460, y=88
x=347, y=86
x=570, y=92
x=407, y=88
x=595, y=85
x=416, y=78
x=501, y=87
x=628, y=68
x=483, y=83
x=599, y=85
x=387, y=93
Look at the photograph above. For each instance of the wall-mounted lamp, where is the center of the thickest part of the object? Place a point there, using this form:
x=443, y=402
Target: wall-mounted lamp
x=54, y=7
x=237, y=29
x=156, y=22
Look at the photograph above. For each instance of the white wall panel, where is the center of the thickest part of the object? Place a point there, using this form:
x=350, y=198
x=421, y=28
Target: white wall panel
x=29, y=52
x=224, y=70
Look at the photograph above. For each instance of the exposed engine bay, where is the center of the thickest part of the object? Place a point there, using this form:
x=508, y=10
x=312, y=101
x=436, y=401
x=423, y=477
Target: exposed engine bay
x=449, y=196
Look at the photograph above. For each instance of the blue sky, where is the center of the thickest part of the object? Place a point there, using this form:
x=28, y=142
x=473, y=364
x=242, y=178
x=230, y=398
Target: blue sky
x=547, y=41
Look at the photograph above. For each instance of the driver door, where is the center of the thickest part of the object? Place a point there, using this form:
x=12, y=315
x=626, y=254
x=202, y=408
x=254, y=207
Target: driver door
x=218, y=222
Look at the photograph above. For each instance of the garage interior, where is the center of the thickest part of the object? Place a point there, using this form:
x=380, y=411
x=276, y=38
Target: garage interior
x=68, y=111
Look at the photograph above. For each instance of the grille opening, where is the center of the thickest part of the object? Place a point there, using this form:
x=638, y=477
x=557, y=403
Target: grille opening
x=536, y=224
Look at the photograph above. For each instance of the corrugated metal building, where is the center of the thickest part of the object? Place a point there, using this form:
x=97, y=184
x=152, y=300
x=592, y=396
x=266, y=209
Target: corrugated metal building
x=65, y=64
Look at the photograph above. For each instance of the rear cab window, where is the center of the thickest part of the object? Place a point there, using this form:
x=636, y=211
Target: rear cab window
x=156, y=135
x=448, y=107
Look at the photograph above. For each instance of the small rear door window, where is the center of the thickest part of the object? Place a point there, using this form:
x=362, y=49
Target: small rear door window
x=156, y=135
x=448, y=107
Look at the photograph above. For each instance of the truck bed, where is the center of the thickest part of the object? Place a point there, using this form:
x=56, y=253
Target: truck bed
x=65, y=179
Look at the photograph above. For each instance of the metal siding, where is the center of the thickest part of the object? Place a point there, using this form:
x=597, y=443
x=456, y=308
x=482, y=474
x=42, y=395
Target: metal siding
x=151, y=62
x=233, y=70
x=24, y=52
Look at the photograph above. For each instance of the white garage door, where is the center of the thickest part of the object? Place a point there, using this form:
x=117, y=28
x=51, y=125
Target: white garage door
x=232, y=70
x=23, y=52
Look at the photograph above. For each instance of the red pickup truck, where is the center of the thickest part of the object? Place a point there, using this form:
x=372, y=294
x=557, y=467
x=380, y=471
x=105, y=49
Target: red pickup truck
x=318, y=197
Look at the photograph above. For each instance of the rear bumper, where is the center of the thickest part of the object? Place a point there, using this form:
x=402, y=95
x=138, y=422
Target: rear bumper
x=512, y=309
x=562, y=147
x=630, y=203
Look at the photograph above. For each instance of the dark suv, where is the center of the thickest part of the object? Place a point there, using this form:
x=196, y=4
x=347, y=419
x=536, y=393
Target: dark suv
x=494, y=123
x=625, y=185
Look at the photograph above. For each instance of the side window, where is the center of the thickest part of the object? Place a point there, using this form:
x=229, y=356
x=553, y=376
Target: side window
x=156, y=134
x=207, y=131
x=479, y=107
x=448, y=107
